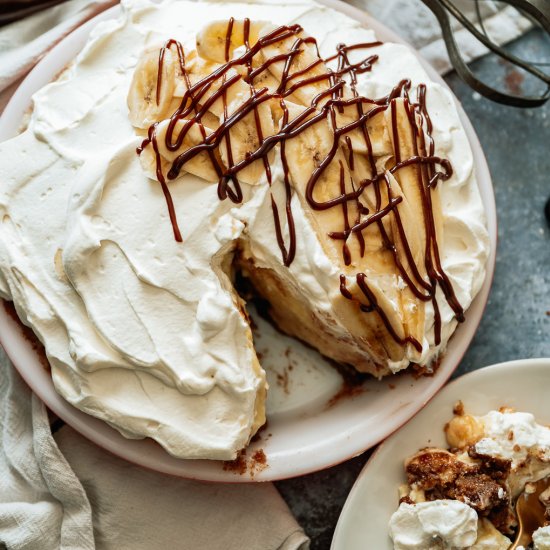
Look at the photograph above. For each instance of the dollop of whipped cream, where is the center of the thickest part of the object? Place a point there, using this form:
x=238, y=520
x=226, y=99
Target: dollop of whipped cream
x=139, y=330
x=541, y=538
x=438, y=524
x=443, y=524
x=516, y=436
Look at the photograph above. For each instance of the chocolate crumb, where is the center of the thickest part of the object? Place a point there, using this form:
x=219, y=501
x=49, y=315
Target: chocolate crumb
x=238, y=466
x=419, y=371
x=259, y=457
x=283, y=380
x=257, y=462
x=243, y=463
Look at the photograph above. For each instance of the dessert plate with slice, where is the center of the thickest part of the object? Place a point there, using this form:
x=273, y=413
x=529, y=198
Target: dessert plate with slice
x=364, y=521
x=344, y=184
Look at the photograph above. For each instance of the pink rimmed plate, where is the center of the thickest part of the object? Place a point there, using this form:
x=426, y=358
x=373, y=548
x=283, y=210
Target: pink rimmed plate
x=312, y=423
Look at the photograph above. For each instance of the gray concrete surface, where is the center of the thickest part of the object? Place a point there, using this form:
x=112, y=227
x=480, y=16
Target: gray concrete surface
x=516, y=323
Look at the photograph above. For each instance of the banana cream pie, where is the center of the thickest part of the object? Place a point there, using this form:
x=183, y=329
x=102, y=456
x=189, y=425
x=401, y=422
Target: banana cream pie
x=190, y=141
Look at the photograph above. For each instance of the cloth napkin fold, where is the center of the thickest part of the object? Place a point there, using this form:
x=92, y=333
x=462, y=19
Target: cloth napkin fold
x=63, y=492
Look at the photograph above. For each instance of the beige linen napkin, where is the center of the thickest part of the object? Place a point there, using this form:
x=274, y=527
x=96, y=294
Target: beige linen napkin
x=68, y=494
x=140, y=509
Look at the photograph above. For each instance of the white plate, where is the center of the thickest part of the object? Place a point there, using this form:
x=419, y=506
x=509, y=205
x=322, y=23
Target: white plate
x=363, y=522
x=304, y=433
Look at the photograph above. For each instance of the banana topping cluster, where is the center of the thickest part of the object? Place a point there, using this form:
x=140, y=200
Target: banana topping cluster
x=365, y=168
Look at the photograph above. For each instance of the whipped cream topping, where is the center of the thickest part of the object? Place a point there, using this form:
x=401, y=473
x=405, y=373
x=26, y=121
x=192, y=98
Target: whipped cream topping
x=541, y=538
x=513, y=435
x=140, y=330
x=448, y=524
x=443, y=524
x=517, y=436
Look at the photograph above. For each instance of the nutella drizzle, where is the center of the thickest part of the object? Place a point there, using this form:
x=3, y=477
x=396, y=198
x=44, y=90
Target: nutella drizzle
x=325, y=106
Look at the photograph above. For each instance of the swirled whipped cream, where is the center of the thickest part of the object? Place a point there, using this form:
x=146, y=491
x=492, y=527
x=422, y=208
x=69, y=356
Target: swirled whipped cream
x=146, y=332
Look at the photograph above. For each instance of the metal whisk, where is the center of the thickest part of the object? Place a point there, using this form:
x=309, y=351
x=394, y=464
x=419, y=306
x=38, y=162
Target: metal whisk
x=537, y=11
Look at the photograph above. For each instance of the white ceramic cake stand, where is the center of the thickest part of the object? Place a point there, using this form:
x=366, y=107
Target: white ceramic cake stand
x=304, y=432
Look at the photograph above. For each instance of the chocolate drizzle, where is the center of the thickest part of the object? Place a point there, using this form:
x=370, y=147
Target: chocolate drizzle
x=328, y=103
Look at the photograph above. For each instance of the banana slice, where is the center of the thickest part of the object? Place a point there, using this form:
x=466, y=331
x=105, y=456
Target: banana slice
x=412, y=308
x=409, y=232
x=200, y=165
x=217, y=40
x=379, y=142
x=373, y=327
x=435, y=197
x=235, y=93
x=245, y=137
x=197, y=68
x=265, y=79
x=151, y=95
x=172, y=84
x=414, y=194
x=367, y=246
x=304, y=154
x=306, y=65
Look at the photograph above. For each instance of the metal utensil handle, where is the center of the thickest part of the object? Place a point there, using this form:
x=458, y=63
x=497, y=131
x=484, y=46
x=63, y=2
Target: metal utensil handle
x=538, y=9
